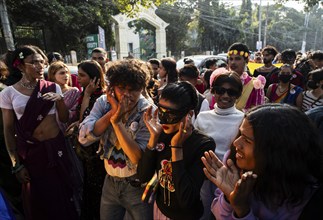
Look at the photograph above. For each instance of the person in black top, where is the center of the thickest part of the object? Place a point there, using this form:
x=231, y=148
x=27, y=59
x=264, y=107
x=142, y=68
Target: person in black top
x=174, y=151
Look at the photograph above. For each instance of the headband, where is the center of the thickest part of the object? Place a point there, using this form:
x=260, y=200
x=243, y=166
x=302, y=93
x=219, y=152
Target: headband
x=236, y=52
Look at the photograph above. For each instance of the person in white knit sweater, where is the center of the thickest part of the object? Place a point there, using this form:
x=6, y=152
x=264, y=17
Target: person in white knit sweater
x=222, y=124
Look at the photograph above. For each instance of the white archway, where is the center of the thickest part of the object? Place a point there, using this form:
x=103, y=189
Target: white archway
x=147, y=15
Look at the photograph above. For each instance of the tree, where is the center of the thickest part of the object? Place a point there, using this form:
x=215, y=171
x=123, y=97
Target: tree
x=178, y=16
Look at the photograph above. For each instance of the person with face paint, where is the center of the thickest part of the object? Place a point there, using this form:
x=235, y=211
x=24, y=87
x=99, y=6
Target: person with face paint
x=117, y=121
x=173, y=152
x=273, y=170
x=313, y=97
x=284, y=91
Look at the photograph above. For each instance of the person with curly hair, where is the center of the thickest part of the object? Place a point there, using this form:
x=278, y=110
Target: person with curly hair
x=117, y=120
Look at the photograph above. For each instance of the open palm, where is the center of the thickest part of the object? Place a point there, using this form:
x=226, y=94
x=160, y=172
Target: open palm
x=225, y=177
x=152, y=123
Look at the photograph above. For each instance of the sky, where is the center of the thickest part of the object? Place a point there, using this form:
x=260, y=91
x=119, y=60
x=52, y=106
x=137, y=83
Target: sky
x=292, y=4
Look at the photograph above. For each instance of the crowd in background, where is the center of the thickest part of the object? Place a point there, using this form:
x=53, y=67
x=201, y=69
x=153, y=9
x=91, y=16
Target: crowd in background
x=131, y=139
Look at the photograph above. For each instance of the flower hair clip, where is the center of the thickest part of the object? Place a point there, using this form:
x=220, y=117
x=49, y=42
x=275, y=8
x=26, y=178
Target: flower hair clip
x=16, y=63
x=236, y=52
x=21, y=56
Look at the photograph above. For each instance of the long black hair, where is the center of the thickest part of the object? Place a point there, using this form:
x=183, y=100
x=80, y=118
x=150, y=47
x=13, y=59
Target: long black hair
x=288, y=153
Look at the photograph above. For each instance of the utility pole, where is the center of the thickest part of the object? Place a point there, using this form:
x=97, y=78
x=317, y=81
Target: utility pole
x=266, y=23
x=259, y=43
x=307, y=16
x=6, y=26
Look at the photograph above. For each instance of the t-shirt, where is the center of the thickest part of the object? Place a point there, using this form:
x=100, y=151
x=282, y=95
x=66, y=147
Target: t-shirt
x=11, y=98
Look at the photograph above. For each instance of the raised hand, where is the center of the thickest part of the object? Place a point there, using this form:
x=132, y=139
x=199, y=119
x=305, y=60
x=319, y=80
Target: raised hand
x=184, y=131
x=240, y=196
x=112, y=100
x=90, y=89
x=122, y=109
x=152, y=123
x=225, y=177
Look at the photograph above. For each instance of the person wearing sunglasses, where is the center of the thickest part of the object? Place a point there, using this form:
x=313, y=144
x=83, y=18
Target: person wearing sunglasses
x=100, y=55
x=173, y=152
x=222, y=124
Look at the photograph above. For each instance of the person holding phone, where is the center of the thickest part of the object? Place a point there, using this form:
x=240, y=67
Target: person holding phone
x=91, y=78
x=174, y=151
x=117, y=120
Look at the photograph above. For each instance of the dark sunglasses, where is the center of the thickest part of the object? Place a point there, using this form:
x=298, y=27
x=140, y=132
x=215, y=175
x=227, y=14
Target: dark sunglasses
x=170, y=116
x=231, y=92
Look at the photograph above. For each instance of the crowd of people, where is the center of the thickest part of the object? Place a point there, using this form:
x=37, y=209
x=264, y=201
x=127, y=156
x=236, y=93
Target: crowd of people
x=131, y=139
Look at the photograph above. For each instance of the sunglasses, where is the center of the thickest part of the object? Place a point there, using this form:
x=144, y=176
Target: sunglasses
x=231, y=92
x=170, y=116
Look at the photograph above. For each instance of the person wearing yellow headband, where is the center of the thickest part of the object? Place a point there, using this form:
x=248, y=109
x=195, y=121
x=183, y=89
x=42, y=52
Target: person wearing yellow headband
x=253, y=88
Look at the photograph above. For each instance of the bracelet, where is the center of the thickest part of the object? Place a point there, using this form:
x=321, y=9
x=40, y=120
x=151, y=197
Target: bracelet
x=17, y=168
x=178, y=147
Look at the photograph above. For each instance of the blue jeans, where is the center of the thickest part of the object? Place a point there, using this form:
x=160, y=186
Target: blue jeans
x=207, y=196
x=119, y=196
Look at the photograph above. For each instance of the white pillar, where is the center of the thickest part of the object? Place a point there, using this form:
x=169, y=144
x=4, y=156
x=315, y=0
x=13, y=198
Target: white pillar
x=160, y=42
x=121, y=40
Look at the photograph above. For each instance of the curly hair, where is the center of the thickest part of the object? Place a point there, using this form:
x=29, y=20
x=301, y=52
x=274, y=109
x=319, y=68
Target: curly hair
x=132, y=72
x=287, y=153
x=182, y=94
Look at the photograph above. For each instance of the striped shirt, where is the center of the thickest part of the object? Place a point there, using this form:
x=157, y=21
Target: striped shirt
x=310, y=101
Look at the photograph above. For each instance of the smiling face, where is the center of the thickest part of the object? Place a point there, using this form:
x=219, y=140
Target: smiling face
x=62, y=76
x=225, y=95
x=245, y=145
x=237, y=63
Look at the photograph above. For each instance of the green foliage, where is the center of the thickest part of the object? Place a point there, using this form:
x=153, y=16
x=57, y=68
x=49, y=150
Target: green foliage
x=65, y=23
x=178, y=16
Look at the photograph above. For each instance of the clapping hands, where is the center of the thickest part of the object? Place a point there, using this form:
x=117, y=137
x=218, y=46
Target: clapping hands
x=236, y=189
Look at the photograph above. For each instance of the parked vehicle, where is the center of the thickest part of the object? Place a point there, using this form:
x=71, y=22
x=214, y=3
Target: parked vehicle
x=199, y=60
